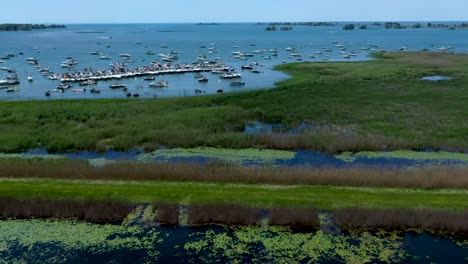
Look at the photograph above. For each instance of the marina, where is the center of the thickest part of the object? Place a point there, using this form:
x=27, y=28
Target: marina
x=226, y=60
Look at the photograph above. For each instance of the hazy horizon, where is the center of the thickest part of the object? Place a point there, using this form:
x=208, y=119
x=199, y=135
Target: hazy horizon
x=240, y=11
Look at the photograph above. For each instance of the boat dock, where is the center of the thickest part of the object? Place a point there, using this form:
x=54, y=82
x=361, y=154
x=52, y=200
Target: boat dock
x=118, y=71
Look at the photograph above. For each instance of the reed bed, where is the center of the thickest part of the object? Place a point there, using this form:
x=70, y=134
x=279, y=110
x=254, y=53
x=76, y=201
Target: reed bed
x=93, y=211
x=302, y=218
x=167, y=214
x=429, y=178
x=223, y=214
x=403, y=219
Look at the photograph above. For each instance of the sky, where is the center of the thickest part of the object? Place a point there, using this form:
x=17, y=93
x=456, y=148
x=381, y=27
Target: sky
x=180, y=11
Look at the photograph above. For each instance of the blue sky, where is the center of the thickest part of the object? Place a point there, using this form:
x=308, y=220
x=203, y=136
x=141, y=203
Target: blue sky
x=167, y=11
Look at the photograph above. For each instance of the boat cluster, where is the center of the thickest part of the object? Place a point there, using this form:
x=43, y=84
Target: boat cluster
x=119, y=71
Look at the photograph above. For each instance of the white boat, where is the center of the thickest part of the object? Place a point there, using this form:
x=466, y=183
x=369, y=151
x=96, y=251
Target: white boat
x=105, y=57
x=78, y=90
x=30, y=78
x=230, y=76
x=159, y=84
x=13, y=89
x=10, y=80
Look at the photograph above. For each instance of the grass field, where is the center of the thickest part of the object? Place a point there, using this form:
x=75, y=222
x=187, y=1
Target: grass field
x=348, y=106
x=320, y=197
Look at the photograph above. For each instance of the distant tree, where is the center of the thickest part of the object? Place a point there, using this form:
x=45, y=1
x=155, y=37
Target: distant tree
x=348, y=27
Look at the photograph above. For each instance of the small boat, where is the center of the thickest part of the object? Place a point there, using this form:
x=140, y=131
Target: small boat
x=10, y=80
x=105, y=57
x=58, y=90
x=117, y=85
x=30, y=78
x=125, y=55
x=220, y=91
x=13, y=89
x=149, y=78
x=3, y=87
x=203, y=79
x=246, y=67
x=136, y=95
x=95, y=91
x=230, y=76
x=256, y=71
x=47, y=93
x=237, y=84
x=198, y=75
x=78, y=90
x=149, y=53
x=159, y=84
x=129, y=94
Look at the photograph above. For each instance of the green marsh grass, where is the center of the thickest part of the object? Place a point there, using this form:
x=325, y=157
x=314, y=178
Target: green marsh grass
x=350, y=106
x=252, y=195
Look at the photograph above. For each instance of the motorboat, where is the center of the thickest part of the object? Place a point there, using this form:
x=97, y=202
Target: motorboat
x=13, y=89
x=237, y=84
x=203, y=79
x=30, y=78
x=117, y=85
x=159, y=84
x=10, y=80
x=105, y=57
x=230, y=76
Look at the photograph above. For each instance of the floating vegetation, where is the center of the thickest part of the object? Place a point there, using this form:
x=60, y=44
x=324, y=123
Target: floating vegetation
x=58, y=241
x=407, y=155
x=281, y=245
x=78, y=242
x=229, y=155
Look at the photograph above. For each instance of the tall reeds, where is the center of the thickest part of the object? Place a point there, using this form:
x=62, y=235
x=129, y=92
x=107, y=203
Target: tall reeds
x=93, y=211
x=402, y=219
x=301, y=218
x=223, y=214
x=430, y=178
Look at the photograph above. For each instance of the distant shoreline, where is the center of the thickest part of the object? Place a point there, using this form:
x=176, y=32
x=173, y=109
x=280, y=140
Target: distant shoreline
x=29, y=27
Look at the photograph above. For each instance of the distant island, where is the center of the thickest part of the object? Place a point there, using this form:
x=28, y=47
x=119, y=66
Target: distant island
x=27, y=27
x=397, y=25
x=311, y=24
x=208, y=24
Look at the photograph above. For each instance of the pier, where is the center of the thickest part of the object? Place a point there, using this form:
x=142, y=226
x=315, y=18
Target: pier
x=118, y=71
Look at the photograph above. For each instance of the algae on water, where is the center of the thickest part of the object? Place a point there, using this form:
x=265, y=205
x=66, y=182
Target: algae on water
x=229, y=155
x=405, y=154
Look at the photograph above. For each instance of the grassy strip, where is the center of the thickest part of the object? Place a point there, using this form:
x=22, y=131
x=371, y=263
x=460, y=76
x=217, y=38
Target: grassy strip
x=320, y=197
x=431, y=178
x=372, y=105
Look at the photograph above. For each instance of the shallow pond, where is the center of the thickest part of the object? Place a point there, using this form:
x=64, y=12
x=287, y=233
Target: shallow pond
x=45, y=241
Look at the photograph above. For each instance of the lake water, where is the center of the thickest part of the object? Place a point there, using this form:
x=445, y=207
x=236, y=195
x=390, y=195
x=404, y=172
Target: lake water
x=192, y=41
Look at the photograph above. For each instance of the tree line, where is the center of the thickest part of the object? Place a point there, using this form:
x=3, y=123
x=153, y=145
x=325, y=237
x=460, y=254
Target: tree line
x=27, y=27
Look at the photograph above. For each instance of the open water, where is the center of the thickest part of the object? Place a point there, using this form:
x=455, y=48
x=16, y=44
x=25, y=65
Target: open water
x=191, y=41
